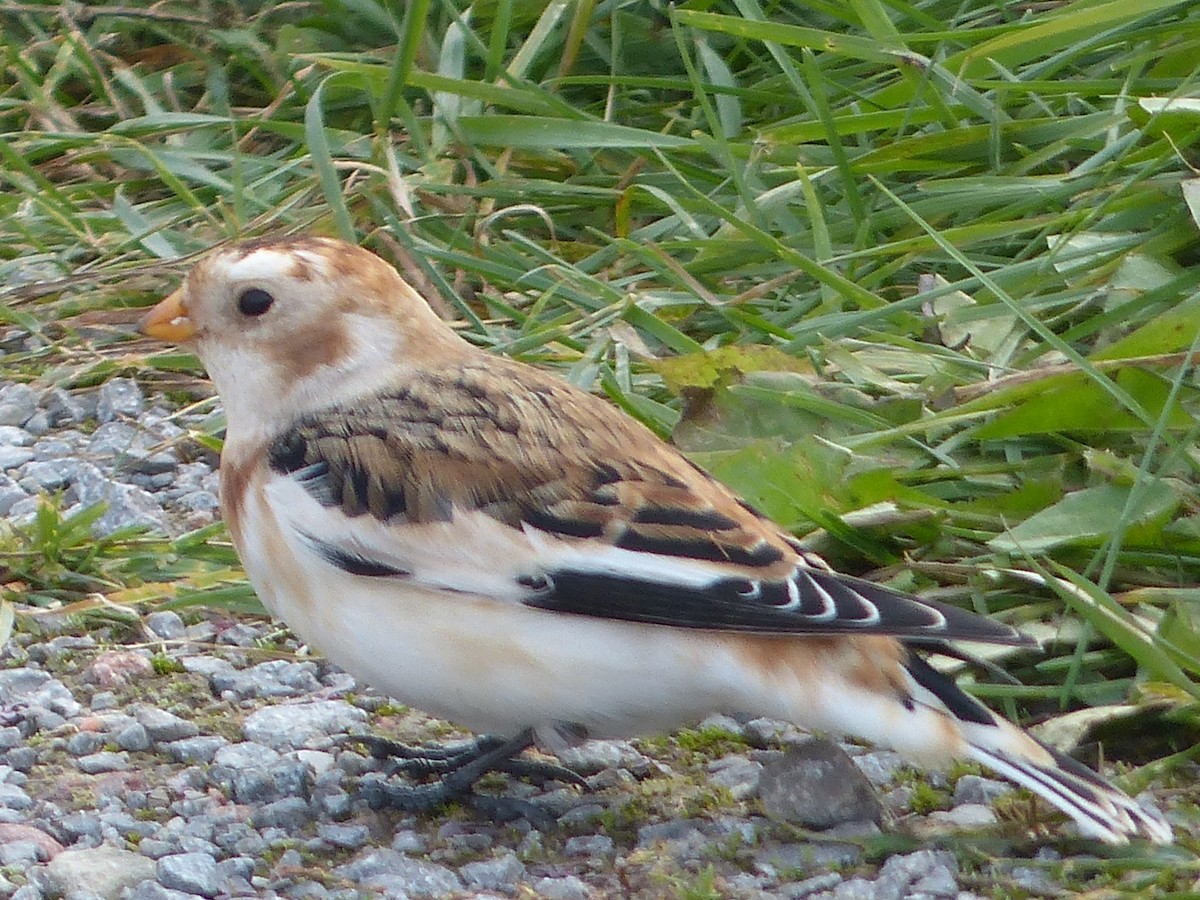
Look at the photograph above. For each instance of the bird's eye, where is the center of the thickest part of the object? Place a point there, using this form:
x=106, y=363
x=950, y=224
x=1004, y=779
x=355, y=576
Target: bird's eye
x=254, y=302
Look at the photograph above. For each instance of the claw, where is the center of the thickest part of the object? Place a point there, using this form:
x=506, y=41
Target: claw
x=460, y=766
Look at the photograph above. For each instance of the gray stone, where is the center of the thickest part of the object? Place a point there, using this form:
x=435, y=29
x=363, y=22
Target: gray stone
x=737, y=774
x=245, y=754
x=13, y=797
x=18, y=403
x=84, y=743
x=671, y=830
x=152, y=890
x=409, y=841
x=334, y=802
x=294, y=725
x=199, y=749
x=765, y=732
x=966, y=816
x=810, y=886
x=862, y=889
x=131, y=507
x=974, y=789
x=1037, y=882
x=276, y=678
x=127, y=505
x=166, y=625
x=590, y=757
x=812, y=857
x=499, y=874
x=199, y=501
x=14, y=457
x=162, y=726
x=240, y=634
x=352, y=837
x=22, y=854
x=319, y=763
x=938, y=883
x=10, y=493
x=119, y=397
x=391, y=870
x=909, y=868
x=880, y=766
x=50, y=475
x=582, y=817
x=591, y=845
x=21, y=758
x=290, y=813
x=38, y=423
x=208, y=666
x=567, y=888
x=103, y=870
x=12, y=436
x=312, y=890
x=236, y=866
x=124, y=823
x=106, y=761
x=62, y=407
x=23, y=511
x=132, y=737
x=193, y=873
x=816, y=785
x=63, y=444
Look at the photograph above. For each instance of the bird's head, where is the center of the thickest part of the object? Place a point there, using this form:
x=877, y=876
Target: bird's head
x=286, y=326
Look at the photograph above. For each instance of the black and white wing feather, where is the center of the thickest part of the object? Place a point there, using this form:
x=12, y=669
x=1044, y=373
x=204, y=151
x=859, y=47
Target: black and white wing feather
x=601, y=518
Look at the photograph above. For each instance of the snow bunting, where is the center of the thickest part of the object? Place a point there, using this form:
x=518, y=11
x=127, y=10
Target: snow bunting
x=486, y=543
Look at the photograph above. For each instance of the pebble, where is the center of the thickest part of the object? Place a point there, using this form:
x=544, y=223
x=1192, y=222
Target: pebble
x=975, y=789
x=119, y=398
x=499, y=874
x=132, y=737
x=18, y=403
x=162, y=726
x=13, y=457
x=95, y=763
x=192, y=873
x=741, y=776
x=592, y=845
x=351, y=837
x=166, y=625
x=292, y=726
x=815, y=784
x=200, y=749
x=566, y=888
x=965, y=816
x=12, y=436
x=104, y=871
x=276, y=678
x=391, y=870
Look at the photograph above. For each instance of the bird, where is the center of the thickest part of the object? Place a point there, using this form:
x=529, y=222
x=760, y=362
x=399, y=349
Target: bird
x=487, y=543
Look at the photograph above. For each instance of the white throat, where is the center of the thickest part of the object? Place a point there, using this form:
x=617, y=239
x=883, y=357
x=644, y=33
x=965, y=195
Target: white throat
x=261, y=399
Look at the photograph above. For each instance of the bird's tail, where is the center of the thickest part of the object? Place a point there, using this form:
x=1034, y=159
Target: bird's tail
x=1100, y=809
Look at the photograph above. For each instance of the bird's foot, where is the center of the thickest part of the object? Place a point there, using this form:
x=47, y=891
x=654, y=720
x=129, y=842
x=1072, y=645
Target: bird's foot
x=459, y=766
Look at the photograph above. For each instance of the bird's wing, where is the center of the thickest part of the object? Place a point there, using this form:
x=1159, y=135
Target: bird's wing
x=500, y=480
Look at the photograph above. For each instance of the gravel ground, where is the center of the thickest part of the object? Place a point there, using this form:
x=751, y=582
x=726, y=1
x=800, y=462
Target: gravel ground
x=202, y=761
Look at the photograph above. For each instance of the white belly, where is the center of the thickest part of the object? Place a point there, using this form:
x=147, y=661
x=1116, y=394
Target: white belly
x=497, y=667
x=494, y=666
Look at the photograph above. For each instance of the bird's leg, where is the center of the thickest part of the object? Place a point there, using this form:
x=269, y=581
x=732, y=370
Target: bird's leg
x=460, y=767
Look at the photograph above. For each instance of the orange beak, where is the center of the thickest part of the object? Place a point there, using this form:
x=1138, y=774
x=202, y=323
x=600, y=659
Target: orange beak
x=169, y=321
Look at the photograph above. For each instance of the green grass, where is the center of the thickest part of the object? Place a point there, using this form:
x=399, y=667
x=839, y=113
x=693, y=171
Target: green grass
x=920, y=279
